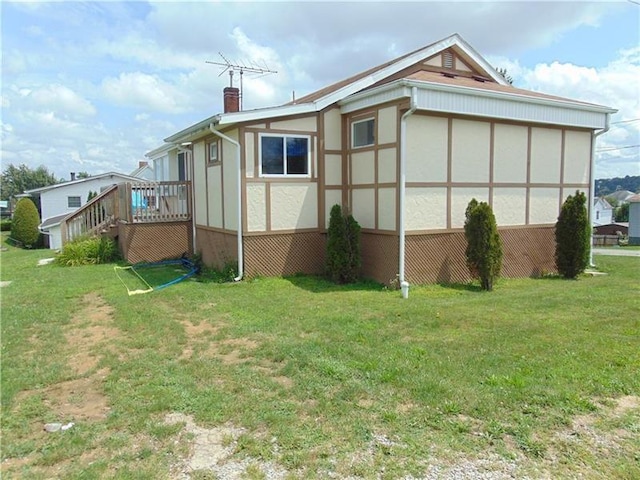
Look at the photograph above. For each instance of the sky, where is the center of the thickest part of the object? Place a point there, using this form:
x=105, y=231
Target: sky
x=93, y=86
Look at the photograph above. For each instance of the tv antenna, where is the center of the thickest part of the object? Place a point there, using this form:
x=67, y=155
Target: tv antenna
x=240, y=67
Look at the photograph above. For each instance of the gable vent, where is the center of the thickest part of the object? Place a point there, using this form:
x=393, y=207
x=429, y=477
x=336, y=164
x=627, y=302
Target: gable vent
x=447, y=59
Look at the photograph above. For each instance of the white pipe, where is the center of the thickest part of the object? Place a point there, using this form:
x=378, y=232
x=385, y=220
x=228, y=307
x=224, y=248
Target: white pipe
x=403, y=154
x=239, y=186
x=592, y=189
x=189, y=153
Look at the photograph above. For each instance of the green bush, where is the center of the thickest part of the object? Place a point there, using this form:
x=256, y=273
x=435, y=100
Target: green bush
x=484, y=247
x=5, y=225
x=218, y=275
x=343, y=247
x=88, y=251
x=573, y=236
x=24, y=226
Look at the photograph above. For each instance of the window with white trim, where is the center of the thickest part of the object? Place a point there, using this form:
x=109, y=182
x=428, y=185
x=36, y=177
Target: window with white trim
x=74, y=202
x=213, y=152
x=285, y=155
x=362, y=133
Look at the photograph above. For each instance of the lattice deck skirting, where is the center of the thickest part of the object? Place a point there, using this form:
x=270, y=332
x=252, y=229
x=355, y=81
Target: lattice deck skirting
x=284, y=254
x=438, y=258
x=430, y=258
x=152, y=242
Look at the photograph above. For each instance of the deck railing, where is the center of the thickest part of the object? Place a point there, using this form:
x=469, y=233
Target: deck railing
x=147, y=202
x=140, y=202
x=95, y=216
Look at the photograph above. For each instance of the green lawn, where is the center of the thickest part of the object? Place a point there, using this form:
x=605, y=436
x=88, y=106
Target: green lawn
x=305, y=379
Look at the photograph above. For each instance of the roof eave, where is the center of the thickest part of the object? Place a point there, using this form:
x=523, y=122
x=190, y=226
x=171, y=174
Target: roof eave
x=402, y=89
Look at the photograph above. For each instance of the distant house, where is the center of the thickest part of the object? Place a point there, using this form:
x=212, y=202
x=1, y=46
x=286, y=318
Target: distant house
x=404, y=147
x=621, y=196
x=634, y=220
x=602, y=212
x=144, y=171
x=59, y=200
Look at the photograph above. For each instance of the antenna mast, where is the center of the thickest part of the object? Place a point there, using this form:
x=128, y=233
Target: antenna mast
x=240, y=67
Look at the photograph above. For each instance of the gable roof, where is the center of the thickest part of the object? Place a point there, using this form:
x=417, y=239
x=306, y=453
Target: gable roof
x=603, y=202
x=138, y=172
x=621, y=195
x=107, y=175
x=386, y=82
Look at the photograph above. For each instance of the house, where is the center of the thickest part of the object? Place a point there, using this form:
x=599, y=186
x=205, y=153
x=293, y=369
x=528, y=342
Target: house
x=59, y=200
x=404, y=147
x=634, y=220
x=620, y=196
x=602, y=212
x=144, y=171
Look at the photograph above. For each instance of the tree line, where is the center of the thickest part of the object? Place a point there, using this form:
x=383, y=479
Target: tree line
x=607, y=186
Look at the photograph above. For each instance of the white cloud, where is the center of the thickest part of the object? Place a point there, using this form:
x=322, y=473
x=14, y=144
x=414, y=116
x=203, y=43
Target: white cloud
x=62, y=100
x=145, y=91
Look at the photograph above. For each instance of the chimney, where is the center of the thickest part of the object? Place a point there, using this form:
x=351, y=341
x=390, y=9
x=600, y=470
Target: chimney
x=142, y=164
x=231, y=99
x=73, y=176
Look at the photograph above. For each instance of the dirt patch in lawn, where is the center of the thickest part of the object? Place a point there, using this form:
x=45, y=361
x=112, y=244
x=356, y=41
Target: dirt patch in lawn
x=198, y=335
x=212, y=450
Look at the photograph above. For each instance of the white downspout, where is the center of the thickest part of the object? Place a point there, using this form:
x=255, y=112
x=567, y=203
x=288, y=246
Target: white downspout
x=404, y=285
x=592, y=189
x=189, y=152
x=239, y=186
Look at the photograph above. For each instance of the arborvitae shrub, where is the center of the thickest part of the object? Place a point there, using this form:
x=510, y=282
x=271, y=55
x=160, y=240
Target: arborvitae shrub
x=573, y=235
x=24, y=225
x=343, y=247
x=484, y=247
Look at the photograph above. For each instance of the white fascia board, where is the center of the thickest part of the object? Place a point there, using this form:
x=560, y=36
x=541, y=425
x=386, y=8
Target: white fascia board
x=121, y=176
x=479, y=59
x=483, y=103
x=265, y=113
x=160, y=151
x=189, y=133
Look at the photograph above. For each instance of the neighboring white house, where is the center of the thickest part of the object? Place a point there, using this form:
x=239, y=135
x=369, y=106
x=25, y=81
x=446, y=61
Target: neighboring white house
x=602, y=212
x=59, y=200
x=144, y=171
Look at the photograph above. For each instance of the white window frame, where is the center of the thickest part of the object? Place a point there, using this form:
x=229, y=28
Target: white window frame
x=353, y=132
x=213, y=146
x=284, y=136
x=69, y=197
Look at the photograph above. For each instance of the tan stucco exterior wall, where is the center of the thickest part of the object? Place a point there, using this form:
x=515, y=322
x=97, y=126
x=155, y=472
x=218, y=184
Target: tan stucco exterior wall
x=200, y=184
x=510, y=153
x=470, y=151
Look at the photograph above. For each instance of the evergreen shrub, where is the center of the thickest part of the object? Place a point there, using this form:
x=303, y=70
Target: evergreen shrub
x=484, y=247
x=343, y=247
x=24, y=225
x=573, y=236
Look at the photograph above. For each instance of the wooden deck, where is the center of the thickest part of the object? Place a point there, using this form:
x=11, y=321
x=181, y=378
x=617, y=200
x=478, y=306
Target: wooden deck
x=130, y=203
